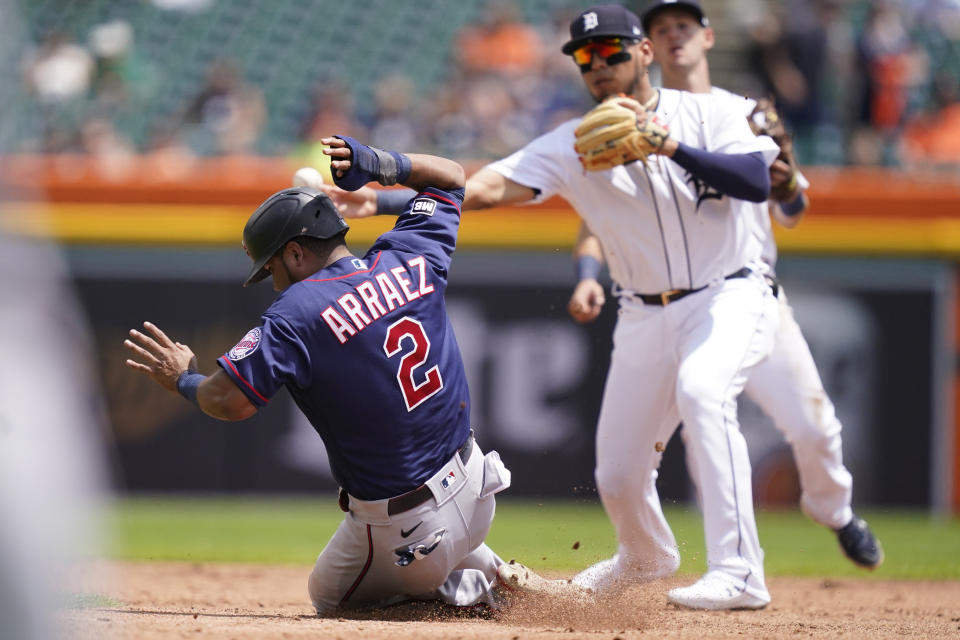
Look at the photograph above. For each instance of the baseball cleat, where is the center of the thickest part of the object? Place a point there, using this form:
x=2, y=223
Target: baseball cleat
x=859, y=544
x=519, y=578
x=716, y=591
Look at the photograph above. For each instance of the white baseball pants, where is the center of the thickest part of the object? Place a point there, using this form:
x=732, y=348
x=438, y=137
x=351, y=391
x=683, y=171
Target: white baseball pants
x=432, y=552
x=686, y=362
x=787, y=387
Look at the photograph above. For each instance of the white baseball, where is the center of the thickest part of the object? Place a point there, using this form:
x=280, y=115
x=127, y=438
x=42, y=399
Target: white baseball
x=307, y=177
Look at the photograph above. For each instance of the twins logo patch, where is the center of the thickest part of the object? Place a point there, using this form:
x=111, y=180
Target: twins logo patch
x=245, y=347
x=448, y=480
x=424, y=206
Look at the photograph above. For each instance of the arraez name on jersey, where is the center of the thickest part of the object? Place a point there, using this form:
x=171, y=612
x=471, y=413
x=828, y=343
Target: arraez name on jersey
x=375, y=297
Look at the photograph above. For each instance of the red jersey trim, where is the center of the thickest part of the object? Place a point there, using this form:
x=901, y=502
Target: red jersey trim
x=439, y=197
x=240, y=377
x=372, y=267
x=363, y=572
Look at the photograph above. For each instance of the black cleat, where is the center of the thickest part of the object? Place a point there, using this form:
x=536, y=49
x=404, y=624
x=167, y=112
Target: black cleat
x=859, y=543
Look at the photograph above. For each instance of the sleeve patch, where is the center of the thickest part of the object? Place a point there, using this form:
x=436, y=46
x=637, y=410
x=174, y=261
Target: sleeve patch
x=424, y=206
x=249, y=344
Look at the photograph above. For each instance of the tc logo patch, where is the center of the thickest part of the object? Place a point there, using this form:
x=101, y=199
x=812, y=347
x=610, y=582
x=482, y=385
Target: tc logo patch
x=246, y=346
x=424, y=206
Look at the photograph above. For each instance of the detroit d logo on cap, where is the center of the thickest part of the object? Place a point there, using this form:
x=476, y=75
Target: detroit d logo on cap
x=590, y=21
x=246, y=346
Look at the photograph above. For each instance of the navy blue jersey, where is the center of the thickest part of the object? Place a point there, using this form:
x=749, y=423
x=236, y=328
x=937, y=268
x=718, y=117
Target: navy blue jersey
x=367, y=351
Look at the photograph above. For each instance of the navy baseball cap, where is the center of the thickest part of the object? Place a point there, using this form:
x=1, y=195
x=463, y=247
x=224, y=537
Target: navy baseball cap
x=656, y=6
x=602, y=21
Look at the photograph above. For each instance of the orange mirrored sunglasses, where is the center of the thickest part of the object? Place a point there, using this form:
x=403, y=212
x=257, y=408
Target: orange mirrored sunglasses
x=612, y=50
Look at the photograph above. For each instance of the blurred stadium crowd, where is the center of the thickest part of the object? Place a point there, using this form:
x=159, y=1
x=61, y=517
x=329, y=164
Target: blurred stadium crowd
x=861, y=82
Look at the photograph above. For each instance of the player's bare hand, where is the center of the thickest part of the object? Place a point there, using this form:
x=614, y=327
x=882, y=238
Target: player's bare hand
x=587, y=301
x=158, y=356
x=635, y=105
x=780, y=173
x=783, y=180
x=361, y=203
x=340, y=155
x=628, y=102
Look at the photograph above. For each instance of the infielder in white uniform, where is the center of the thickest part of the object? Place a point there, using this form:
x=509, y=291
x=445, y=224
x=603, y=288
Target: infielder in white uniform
x=787, y=385
x=696, y=313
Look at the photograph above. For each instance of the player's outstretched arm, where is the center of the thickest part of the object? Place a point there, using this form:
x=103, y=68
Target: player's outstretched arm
x=487, y=188
x=354, y=164
x=219, y=397
x=361, y=203
x=434, y=171
x=173, y=366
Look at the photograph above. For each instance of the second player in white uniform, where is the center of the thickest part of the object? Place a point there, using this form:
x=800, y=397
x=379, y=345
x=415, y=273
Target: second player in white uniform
x=787, y=385
x=665, y=229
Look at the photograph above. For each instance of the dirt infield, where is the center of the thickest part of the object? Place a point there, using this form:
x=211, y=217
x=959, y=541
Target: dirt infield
x=246, y=602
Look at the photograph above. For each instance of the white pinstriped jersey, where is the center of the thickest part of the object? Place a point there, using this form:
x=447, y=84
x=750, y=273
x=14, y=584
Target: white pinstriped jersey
x=660, y=227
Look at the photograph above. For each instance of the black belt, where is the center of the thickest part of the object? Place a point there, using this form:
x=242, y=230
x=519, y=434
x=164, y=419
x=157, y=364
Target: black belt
x=774, y=285
x=664, y=298
x=416, y=497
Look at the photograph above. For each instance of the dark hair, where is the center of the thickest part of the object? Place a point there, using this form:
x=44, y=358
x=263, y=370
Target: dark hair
x=318, y=246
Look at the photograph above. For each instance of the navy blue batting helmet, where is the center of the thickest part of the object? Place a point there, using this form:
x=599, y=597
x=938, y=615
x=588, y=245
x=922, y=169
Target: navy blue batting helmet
x=284, y=216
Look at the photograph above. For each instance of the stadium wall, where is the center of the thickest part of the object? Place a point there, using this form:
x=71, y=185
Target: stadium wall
x=876, y=257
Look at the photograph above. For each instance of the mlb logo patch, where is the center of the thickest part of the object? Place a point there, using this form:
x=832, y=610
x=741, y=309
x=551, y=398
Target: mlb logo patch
x=359, y=264
x=424, y=206
x=246, y=346
x=448, y=480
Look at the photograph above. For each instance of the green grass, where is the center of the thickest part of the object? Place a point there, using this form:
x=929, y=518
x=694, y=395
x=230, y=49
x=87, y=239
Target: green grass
x=543, y=535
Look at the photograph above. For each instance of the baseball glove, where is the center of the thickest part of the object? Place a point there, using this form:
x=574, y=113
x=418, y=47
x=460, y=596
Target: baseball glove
x=612, y=134
x=765, y=121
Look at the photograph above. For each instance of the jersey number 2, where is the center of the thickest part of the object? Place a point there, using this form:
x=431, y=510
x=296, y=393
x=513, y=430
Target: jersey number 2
x=413, y=394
